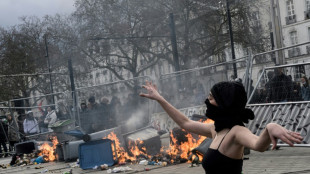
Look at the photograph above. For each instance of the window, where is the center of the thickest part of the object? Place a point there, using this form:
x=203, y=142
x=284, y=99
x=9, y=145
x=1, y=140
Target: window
x=293, y=37
x=255, y=18
x=290, y=8
x=309, y=33
x=307, y=5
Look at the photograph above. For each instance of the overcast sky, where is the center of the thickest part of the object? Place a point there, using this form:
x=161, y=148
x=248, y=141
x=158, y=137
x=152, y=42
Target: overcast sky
x=11, y=10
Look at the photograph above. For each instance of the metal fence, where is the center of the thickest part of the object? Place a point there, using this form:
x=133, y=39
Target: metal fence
x=281, y=93
x=33, y=128
x=113, y=104
x=191, y=87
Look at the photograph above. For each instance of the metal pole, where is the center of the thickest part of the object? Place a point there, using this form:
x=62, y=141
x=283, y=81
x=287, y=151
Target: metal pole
x=249, y=99
x=174, y=49
x=277, y=33
x=231, y=39
x=73, y=90
x=174, y=43
x=49, y=67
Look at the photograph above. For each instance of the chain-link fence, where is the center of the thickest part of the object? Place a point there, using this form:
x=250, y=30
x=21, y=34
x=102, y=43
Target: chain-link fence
x=30, y=118
x=113, y=104
x=188, y=90
x=286, y=83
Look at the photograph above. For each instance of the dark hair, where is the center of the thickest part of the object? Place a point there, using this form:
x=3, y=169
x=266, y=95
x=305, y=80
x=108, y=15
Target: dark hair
x=91, y=99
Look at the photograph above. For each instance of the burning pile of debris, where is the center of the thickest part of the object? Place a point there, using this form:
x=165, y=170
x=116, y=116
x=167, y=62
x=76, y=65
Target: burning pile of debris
x=30, y=153
x=111, y=148
x=182, y=148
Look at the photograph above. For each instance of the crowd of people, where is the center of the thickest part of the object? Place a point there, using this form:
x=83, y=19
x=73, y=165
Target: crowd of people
x=281, y=88
x=13, y=130
x=105, y=114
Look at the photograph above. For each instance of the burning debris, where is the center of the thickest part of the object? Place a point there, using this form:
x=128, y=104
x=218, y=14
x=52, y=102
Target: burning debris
x=177, y=152
x=45, y=153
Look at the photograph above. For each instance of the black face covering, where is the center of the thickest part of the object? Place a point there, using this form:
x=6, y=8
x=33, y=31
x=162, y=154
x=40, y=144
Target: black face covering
x=231, y=111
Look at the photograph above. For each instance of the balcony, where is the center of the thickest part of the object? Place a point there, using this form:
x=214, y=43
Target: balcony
x=294, y=52
x=290, y=19
x=307, y=15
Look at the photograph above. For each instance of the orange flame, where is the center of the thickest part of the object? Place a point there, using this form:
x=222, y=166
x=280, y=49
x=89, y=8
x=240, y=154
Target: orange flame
x=185, y=147
x=134, y=149
x=47, y=151
x=182, y=150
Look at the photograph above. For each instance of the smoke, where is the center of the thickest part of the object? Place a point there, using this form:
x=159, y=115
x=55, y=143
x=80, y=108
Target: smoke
x=138, y=119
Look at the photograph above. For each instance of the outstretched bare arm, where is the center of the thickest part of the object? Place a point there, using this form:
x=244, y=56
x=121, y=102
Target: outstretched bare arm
x=176, y=115
x=270, y=134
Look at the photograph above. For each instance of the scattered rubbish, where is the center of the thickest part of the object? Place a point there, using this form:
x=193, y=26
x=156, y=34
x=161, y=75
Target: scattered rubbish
x=39, y=160
x=3, y=166
x=95, y=167
x=143, y=162
x=44, y=171
x=104, y=167
x=151, y=163
x=147, y=169
x=74, y=165
x=119, y=169
x=164, y=164
x=68, y=172
x=39, y=167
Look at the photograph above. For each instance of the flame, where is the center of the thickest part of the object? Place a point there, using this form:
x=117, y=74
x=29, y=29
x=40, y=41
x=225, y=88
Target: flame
x=137, y=148
x=47, y=151
x=185, y=147
x=133, y=147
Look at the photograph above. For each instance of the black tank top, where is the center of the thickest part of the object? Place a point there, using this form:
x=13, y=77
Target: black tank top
x=214, y=162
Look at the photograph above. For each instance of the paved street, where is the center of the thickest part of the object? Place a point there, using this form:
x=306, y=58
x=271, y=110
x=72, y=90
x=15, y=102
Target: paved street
x=284, y=161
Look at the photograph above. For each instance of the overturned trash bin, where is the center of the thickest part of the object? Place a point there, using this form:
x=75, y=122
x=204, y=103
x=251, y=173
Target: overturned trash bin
x=150, y=138
x=27, y=147
x=96, y=153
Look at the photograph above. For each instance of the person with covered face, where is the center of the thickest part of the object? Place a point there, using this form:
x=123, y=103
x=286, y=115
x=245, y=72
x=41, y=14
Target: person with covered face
x=226, y=107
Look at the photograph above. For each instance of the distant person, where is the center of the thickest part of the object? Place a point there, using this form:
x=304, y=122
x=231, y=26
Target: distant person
x=226, y=107
x=305, y=89
x=83, y=106
x=50, y=118
x=43, y=126
x=3, y=138
x=232, y=78
x=20, y=122
x=115, y=110
x=92, y=105
x=105, y=121
x=270, y=75
x=296, y=92
x=30, y=124
x=281, y=87
x=12, y=131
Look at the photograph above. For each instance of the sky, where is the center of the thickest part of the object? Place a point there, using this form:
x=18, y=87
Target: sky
x=11, y=10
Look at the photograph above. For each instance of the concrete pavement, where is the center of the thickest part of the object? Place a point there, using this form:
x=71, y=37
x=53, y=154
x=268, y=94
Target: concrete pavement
x=287, y=160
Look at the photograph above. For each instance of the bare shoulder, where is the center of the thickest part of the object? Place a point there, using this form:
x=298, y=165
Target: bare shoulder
x=239, y=130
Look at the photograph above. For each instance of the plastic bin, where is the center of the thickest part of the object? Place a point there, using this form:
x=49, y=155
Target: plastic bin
x=96, y=153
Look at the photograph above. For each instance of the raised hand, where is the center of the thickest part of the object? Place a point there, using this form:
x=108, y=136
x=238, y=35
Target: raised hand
x=278, y=132
x=152, y=92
